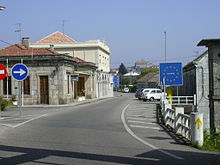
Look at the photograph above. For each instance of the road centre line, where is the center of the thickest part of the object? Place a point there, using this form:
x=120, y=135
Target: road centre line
x=141, y=140
x=141, y=122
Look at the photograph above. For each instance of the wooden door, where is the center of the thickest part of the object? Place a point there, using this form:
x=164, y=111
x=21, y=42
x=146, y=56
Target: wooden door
x=44, y=90
x=81, y=86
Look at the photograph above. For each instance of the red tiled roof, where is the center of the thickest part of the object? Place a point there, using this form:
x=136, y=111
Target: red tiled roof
x=79, y=60
x=22, y=50
x=150, y=77
x=56, y=37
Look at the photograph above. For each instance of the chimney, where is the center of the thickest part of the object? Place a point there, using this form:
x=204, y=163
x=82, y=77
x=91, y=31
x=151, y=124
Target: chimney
x=25, y=42
x=52, y=47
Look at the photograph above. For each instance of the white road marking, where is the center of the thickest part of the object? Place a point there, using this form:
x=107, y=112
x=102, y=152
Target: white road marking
x=136, y=118
x=140, y=122
x=17, y=125
x=141, y=140
x=30, y=120
x=141, y=118
x=141, y=126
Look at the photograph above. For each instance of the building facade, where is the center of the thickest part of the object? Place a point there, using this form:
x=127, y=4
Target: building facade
x=213, y=46
x=50, y=75
x=93, y=51
x=196, y=82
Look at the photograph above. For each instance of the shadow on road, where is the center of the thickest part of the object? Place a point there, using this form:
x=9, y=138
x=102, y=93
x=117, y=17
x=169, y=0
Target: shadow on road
x=32, y=155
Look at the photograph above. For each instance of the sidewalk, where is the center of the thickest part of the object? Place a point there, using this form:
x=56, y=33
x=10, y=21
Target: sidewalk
x=141, y=117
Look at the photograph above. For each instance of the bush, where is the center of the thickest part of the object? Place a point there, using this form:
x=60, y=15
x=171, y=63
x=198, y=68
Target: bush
x=211, y=141
x=4, y=104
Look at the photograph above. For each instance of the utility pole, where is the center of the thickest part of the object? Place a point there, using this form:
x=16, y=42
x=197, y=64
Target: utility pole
x=63, y=25
x=19, y=30
x=165, y=46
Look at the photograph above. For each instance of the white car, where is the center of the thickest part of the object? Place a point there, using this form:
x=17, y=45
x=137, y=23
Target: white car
x=152, y=94
x=126, y=90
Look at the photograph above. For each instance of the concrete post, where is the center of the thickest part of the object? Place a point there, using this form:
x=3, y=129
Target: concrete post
x=177, y=119
x=196, y=120
x=166, y=113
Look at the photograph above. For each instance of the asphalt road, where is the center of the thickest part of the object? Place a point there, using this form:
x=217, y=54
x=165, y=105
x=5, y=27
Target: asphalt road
x=120, y=130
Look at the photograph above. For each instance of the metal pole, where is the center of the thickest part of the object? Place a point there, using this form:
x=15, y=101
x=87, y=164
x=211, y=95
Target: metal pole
x=165, y=44
x=7, y=76
x=22, y=91
x=20, y=97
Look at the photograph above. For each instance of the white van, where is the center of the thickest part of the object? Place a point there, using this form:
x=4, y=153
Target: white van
x=152, y=94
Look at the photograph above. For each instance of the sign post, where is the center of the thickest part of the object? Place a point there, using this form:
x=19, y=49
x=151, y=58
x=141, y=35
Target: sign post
x=3, y=74
x=116, y=81
x=20, y=73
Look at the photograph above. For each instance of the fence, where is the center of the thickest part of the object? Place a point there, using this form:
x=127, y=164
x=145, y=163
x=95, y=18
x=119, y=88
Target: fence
x=177, y=120
x=181, y=99
x=188, y=126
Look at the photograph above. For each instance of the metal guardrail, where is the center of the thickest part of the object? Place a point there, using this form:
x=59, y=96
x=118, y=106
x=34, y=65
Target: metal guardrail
x=178, y=121
x=181, y=99
x=188, y=126
x=183, y=127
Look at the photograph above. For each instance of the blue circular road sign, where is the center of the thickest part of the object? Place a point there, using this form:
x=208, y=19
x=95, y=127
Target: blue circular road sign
x=20, y=71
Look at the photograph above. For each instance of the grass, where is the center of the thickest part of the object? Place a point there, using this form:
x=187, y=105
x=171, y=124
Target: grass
x=211, y=142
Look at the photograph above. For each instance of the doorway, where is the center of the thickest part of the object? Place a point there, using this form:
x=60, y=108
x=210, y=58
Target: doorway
x=44, y=90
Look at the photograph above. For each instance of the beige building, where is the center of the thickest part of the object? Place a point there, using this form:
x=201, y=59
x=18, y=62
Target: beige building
x=51, y=74
x=94, y=51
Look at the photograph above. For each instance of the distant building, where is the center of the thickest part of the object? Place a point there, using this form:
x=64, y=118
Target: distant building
x=150, y=80
x=142, y=65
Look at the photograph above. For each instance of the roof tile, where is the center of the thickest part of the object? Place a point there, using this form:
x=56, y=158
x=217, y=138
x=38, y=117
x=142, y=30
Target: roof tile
x=56, y=37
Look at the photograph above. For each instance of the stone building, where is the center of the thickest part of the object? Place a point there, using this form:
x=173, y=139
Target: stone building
x=196, y=82
x=94, y=51
x=214, y=80
x=50, y=75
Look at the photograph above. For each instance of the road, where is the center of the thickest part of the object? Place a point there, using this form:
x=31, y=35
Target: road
x=120, y=130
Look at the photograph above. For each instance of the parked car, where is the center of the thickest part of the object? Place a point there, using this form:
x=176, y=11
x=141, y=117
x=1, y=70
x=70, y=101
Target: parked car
x=139, y=92
x=126, y=90
x=152, y=94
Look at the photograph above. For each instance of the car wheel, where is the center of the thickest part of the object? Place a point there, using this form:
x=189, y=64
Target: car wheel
x=151, y=99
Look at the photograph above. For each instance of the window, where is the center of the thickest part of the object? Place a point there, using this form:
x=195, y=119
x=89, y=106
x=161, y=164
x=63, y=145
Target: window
x=26, y=86
x=5, y=85
x=159, y=91
x=152, y=92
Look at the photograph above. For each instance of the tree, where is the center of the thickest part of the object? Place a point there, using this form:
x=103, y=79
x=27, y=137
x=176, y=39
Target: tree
x=148, y=71
x=122, y=69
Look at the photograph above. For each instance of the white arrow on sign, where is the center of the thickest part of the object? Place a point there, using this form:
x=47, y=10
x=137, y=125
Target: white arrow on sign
x=2, y=72
x=21, y=72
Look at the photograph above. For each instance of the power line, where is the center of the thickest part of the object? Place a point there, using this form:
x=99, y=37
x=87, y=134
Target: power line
x=6, y=42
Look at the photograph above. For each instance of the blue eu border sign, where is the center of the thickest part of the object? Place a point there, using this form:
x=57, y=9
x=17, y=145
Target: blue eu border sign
x=171, y=74
x=116, y=81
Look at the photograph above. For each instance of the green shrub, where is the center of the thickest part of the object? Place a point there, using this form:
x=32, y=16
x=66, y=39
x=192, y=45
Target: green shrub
x=4, y=104
x=211, y=141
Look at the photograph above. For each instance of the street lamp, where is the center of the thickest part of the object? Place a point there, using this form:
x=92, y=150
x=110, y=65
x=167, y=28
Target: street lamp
x=2, y=7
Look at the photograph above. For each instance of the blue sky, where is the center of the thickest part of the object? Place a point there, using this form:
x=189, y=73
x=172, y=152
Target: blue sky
x=133, y=29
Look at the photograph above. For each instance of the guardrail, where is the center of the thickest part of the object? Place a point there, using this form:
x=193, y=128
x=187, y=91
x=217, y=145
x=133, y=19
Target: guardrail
x=188, y=126
x=181, y=99
x=178, y=121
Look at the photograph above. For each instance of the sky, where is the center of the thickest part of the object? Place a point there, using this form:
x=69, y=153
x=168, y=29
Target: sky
x=133, y=29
